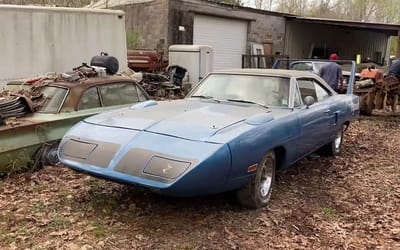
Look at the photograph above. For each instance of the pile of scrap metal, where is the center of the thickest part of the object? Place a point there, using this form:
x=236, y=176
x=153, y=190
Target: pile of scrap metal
x=377, y=92
x=22, y=97
x=168, y=84
x=13, y=105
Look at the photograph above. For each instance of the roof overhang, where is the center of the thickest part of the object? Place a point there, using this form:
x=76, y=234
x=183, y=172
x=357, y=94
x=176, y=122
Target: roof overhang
x=389, y=29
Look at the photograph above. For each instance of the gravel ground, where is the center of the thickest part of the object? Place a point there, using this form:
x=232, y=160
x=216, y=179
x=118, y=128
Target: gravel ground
x=348, y=202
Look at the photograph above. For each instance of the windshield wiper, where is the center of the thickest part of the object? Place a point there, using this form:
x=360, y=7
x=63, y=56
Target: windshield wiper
x=245, y=101
x=206, y=97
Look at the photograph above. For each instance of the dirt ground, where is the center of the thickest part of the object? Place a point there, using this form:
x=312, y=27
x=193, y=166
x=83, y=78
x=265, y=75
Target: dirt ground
x=348, y=202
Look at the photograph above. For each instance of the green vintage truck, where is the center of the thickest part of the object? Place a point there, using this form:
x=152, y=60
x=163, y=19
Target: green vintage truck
x=36, y=113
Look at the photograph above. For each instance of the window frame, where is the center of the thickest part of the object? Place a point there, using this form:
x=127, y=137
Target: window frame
x=83, y=93
x=290, y=99
x=135, y=85
x=314, y=81
x=62, y=102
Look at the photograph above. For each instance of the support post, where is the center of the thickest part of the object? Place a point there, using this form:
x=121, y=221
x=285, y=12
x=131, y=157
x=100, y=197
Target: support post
x=398, y=45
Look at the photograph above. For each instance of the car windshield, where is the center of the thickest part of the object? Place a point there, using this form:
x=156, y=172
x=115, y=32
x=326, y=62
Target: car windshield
x=52, y=99
x=262, y=90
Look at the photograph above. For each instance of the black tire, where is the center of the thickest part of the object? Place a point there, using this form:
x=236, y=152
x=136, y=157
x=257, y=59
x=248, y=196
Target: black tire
x=257, y=192
x=333, y=148
x=44, y=156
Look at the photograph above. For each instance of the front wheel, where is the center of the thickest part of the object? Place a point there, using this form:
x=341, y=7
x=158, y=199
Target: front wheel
x=258, y=191
x=49, y=154
x=333, y=148
x=45, y=155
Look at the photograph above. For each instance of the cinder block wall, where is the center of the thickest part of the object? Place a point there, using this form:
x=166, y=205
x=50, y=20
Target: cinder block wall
x=147, y=23
x=262, y=27
x=156, y=23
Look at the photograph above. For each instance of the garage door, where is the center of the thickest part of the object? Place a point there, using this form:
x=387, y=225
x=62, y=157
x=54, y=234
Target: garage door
x=227, y=37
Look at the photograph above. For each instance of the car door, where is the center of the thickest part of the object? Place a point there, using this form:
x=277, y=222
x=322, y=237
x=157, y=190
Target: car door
x=314, y=120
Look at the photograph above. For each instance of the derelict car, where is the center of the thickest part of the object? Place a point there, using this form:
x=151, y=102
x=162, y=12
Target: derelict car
x=232, y=132
x=58, y=102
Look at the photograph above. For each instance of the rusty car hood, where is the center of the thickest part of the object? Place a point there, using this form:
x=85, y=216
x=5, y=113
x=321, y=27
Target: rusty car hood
x=189, y=118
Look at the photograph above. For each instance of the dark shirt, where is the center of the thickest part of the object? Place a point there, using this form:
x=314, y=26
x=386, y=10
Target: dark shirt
x=331, y=73
x=394, y=69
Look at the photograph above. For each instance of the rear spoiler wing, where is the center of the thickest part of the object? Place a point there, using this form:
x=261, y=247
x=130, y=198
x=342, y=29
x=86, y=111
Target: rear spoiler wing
x=286, y=63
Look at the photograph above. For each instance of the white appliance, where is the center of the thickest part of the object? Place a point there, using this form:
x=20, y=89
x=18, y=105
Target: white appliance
x=197, y=59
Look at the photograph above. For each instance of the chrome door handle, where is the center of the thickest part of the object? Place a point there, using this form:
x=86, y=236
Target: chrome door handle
x=327, y=111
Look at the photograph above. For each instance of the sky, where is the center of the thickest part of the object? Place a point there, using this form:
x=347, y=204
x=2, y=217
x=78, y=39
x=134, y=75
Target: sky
x=250, y=3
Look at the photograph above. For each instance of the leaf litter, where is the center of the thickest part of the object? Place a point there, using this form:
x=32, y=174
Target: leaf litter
x=348, y=202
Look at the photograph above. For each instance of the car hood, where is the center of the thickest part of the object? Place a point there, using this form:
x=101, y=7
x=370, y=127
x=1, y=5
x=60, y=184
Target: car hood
x=189, y=119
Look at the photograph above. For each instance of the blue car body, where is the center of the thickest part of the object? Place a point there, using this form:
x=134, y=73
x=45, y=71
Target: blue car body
x=199, y=146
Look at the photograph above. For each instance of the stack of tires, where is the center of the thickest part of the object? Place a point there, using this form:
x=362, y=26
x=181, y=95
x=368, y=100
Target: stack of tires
x=12, y=106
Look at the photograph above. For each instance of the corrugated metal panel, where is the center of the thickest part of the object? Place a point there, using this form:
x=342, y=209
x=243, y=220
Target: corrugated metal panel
x=302, y=37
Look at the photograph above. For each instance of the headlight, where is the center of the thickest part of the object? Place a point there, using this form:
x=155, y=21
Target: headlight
x=165, y=167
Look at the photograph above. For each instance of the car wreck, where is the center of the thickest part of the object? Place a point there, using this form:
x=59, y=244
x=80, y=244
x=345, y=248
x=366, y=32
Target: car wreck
x=233, y=131
x=36, y=113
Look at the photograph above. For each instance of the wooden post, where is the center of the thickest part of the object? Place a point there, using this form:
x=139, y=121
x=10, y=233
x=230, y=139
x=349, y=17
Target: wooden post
x=395, y=103
x=398, y=45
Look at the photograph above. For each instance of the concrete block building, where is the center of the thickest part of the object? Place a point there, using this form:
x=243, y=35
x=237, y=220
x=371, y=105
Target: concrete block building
x=230, y=29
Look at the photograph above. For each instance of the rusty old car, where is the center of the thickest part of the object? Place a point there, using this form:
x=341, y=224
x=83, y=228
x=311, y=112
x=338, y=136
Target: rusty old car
x=33, y=123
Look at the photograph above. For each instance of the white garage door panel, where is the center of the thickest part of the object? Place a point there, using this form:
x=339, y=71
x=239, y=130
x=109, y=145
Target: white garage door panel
x=228, y=38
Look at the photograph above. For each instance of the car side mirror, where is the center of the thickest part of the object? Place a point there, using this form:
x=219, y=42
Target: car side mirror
x=309, y=100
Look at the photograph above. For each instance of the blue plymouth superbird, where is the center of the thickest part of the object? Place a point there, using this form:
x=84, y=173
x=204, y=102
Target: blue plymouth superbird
x=233, y=131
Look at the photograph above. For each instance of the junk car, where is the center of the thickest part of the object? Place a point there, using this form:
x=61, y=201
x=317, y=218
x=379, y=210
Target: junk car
x=36, y=113
x=233, y=131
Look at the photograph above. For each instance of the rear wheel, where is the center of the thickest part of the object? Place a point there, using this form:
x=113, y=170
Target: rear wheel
x=258, y=191
x=333, y=148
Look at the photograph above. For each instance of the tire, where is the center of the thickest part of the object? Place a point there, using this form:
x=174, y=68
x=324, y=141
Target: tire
x=333, y=148
x=257, y=192
x=48, y=154
x=44, y=156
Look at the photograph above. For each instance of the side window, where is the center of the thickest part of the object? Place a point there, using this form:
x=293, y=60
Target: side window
x=321, y=92
x=302, y=66
x=90, y=99
x=297, y=100
x=307, y=88
x=118, y=94
x=141, y=94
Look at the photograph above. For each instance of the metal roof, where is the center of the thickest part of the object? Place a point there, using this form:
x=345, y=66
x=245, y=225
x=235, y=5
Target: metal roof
x=390, y=29
x=102, y=4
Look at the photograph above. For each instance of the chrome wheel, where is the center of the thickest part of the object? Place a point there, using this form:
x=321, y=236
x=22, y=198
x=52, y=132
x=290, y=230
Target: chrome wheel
x=338, y=139
x=258, y=191
x=266, y=179
x=333, y=147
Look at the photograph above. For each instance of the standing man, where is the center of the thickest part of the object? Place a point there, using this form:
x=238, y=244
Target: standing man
x=394, y=69
x=332, y=73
